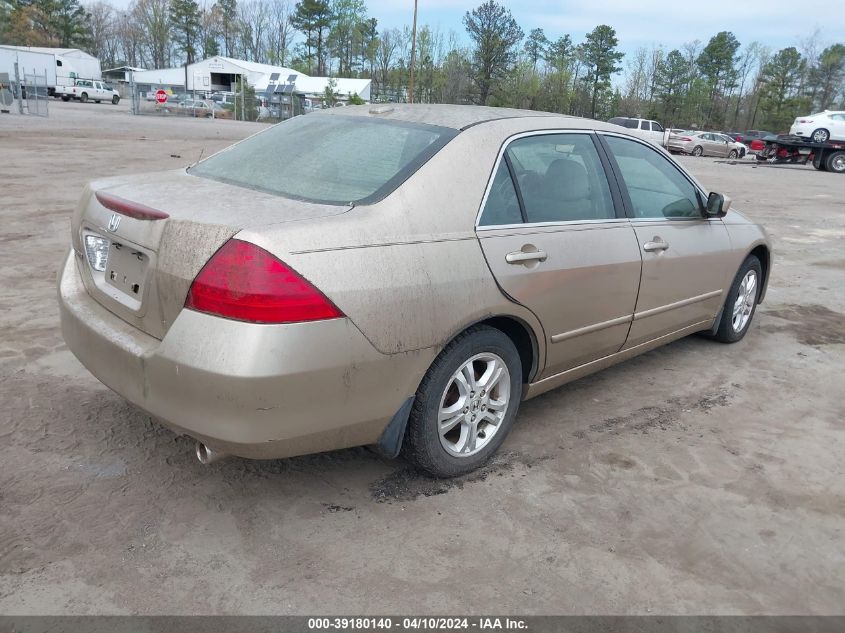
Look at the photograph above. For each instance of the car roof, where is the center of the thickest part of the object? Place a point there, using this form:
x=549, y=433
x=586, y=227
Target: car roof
x=458, y=117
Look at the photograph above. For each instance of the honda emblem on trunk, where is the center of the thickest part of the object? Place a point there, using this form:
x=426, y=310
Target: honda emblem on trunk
x=114, y=222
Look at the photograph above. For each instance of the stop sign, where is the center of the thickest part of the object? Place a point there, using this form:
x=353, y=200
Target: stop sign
x=161, y=96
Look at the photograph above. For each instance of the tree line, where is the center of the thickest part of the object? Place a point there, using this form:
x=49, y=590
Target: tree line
x=717, y=84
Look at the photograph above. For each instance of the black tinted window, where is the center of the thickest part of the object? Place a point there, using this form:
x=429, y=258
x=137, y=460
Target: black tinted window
x=502, y=206
x=561, y=178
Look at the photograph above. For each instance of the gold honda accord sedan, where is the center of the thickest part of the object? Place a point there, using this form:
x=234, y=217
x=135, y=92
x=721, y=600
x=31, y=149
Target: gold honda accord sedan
x=399, y=276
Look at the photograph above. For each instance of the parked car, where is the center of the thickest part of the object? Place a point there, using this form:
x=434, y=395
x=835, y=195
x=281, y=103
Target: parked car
x=706, y=144
x=821, y=127
x=405, y=282
x=644, y=128
x=747, y=137
x=88, y=90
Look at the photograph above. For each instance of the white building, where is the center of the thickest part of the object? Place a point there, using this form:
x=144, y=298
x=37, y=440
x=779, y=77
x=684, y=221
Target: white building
x=222, y=73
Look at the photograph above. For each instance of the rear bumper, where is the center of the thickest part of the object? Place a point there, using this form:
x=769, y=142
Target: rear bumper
x=260, y=391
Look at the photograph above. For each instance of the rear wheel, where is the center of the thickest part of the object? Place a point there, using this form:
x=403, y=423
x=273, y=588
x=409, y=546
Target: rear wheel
x=698, y=150
x=115, y=99
x=466, y=404
x=820, y=136
x=83, y=97
x=65, y=98
x=835, y=162
x=97, y=101
x=741, y=302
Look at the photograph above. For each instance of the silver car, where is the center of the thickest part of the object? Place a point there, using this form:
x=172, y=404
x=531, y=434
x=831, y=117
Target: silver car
x=706, y=144
x=401, y=276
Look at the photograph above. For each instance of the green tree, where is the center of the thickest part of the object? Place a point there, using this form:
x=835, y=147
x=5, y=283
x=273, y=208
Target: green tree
x=227, y=10
x=69, y=22
x=245, y=108
x=314, y=19
x=671, y=77
x=495, y=34
x=185, y=21
x=601, y=60
x=717, y=64
x=535, y=46
x=781, y=76
x=828, y=76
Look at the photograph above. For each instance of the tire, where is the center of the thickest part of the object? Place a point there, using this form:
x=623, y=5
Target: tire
x=115, y=100
x=468, y=444
x=698, y=151
x=835, y=162
x=733, y=154
x=733, y=325
x=820, y=136
x=96, y=101
x=83, y=97
x=818, y=163
x=65, y=98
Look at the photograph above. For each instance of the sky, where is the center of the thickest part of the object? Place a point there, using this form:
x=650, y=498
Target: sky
x=670, y=23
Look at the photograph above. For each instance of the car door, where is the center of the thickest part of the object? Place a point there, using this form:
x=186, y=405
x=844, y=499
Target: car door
x=837, y=126
x=553, y=231
x=685, y=255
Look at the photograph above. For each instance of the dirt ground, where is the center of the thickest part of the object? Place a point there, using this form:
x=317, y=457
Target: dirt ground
x=699, y=478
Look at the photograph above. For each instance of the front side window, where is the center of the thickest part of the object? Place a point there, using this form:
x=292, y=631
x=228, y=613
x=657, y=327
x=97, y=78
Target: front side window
x=656, y=127
x=560, y=178
x=330, y=159
x=656, y=187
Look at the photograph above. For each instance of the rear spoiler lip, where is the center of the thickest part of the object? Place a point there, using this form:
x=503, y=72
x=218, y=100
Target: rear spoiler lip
x=134, y=210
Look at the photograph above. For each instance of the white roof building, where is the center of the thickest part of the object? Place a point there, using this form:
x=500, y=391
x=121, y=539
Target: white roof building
x=221, y=73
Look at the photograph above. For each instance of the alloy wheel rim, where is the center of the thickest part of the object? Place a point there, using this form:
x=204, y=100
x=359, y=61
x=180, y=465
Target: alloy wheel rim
x=839, y=163
x=745, y=301
x=474, y=404
x=820, y=137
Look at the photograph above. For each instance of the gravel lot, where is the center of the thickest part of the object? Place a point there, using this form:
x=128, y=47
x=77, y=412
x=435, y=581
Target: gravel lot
x=699, y=478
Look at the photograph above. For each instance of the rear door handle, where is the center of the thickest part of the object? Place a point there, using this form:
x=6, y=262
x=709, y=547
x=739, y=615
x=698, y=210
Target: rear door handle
x=655, y=245
x=520, y=257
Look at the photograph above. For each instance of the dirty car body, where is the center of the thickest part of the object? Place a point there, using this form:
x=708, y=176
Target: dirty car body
x=416, y=260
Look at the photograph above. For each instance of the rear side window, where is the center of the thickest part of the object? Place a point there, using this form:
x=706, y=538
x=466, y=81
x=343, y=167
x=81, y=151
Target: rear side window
x=330, y=159
x=631, y=124
x=561, y=178
x=644, y=125
x=502, y=206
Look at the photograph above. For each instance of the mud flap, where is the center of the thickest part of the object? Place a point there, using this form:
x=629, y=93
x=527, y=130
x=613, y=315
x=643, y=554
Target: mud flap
x=390, y=442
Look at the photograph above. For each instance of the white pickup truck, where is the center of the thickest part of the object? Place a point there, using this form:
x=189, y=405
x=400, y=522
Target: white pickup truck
x=88, y=90
x=645, y=129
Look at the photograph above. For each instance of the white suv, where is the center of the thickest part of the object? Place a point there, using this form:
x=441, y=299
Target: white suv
x=643, y=128
x=821, y=127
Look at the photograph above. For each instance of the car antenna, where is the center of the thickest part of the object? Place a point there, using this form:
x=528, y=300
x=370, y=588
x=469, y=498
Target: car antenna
x=198, y=159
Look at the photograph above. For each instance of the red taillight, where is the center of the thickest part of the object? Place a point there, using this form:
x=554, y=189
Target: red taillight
x=242, y=281
x=686, y=139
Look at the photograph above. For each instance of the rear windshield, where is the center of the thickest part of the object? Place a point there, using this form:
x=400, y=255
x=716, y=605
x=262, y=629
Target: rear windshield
x=331, y=159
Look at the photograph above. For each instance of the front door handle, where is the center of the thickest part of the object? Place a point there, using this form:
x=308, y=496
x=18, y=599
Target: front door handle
x=521, y=257
x=656, y=244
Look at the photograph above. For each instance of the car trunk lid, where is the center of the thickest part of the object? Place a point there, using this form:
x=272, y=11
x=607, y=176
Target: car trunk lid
x=155, y=232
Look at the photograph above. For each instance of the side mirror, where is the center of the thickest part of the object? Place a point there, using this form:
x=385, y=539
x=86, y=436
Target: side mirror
x=717, y=205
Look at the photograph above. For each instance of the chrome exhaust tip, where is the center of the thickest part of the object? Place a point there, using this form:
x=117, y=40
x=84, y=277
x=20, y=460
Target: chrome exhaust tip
x=207, y=456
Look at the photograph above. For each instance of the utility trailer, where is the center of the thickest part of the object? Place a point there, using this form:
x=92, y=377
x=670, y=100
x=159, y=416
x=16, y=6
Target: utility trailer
x=796, y=150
